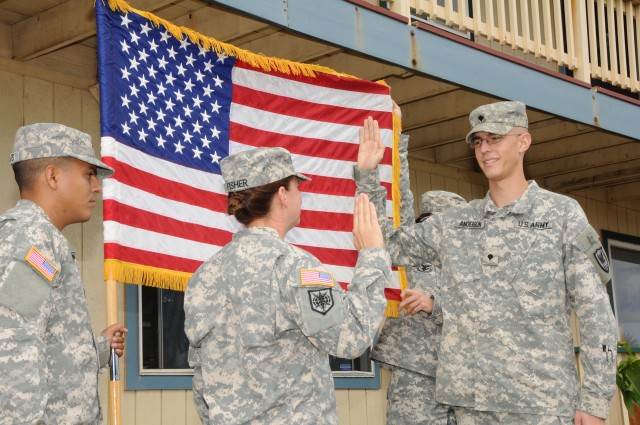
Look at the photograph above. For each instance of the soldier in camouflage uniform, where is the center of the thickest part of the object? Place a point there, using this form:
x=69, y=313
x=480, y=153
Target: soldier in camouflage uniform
x=262, y=316
x=49, y=358
x=515, y=265
x=408, y=345
x=411, y=393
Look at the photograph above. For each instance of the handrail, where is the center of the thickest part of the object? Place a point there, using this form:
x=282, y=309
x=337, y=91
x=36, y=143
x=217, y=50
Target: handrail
x=596, y=39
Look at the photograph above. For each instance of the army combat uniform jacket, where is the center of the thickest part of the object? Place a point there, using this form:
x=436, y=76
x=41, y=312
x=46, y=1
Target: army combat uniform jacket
x=411, y=342
x=510, y=279
x=49, y=360
x=262, y=316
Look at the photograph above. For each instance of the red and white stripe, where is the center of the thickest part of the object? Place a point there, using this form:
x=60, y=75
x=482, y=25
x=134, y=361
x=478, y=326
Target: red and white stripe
x=173, y=217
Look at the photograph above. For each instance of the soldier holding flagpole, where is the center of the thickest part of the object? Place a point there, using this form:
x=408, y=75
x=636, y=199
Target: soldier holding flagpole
x=49, y=357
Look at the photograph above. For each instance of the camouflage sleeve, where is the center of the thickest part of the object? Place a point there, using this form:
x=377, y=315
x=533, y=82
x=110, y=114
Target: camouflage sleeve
x=368, y=181
x=436, y=313
x=338, y=322
x=587, y=272
x=410, y=245
x=25, y=304
x=197, y=385
x=103, y=347
x=407, y=215
x=200, y=299
x=425, y=278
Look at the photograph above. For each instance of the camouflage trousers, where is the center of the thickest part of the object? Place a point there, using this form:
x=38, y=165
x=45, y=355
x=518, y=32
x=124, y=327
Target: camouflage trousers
x=466, y=416
x=411, y=400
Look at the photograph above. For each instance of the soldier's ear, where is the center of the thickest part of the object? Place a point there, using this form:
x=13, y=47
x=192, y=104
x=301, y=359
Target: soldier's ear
x=282, y=195
x=52, y=176
x=525, y=142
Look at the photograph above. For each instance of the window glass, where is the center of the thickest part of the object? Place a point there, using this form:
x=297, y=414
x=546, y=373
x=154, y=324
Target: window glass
x=164, y=343
x=624, y=289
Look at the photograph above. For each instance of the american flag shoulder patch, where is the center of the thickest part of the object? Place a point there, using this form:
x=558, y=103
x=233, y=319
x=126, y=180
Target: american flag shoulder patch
x=316, y=278
x=41, y=264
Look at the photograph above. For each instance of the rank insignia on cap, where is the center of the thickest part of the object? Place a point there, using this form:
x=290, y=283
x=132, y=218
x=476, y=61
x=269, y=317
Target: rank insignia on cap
x=41, y=264
x=321, y=300
x=316, y=278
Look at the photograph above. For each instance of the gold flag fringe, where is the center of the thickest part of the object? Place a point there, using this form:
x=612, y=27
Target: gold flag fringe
x=393, y=305
x=266, y=63
x=145, y=275
x=392, y=309
x=396, y=195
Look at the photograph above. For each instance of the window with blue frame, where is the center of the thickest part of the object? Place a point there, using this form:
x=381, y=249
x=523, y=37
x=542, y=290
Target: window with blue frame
x=157, y=358
x=624, y=288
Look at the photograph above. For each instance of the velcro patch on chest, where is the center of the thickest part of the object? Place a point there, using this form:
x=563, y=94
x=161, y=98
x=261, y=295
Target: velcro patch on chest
x=40, y=263
x=536, y=225
x=316, y=278
x=425, y=268
x=470, y=224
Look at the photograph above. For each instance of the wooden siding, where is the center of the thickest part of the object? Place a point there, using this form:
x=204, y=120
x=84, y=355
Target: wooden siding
x=25, y=99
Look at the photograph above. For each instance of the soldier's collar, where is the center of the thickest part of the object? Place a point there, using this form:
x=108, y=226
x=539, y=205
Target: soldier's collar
x=520, y=206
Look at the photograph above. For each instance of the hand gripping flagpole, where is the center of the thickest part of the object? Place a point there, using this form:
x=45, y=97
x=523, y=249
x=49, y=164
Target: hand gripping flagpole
x=114, y=364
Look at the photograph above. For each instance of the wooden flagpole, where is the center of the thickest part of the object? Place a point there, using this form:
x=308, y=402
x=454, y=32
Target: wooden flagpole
x=114, y=369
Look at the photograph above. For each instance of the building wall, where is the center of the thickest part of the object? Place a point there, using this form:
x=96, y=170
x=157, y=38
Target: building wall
x=27, y=98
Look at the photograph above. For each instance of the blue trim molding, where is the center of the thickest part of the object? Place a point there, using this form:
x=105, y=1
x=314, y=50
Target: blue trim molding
x=133, y=379
x=369, y=383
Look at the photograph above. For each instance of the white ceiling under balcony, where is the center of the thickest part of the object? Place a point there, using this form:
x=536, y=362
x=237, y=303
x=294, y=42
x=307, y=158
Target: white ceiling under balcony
x=58, y=37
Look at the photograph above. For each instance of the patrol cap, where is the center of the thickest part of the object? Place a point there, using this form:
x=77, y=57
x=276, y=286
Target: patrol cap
x=435, y=201
x=257, y=167
x=46, y=140
x=497, y=118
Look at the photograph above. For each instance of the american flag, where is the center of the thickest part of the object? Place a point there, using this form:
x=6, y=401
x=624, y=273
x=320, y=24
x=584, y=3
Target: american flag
x=171, y=109
x=41, y=264
x=315, y=277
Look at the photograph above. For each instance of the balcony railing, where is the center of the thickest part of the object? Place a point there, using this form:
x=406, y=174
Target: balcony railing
x=597, y=39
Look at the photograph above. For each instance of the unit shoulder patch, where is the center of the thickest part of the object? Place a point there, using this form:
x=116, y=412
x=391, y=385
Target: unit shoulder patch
x=321, y=300
x=589, y=243
x=602, y=259
x=40, y=264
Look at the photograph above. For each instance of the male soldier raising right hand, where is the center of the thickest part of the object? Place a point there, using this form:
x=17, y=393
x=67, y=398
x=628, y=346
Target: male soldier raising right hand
x=515, y=265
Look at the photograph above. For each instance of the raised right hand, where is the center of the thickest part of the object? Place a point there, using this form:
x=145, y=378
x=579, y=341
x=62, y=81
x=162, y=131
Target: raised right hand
x=371, y=149
x=366, y=229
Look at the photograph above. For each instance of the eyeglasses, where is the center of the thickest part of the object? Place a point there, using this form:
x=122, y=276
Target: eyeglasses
x=492, y=139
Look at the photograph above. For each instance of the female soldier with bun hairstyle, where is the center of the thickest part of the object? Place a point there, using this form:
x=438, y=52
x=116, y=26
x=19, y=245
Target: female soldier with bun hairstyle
x=262, y=315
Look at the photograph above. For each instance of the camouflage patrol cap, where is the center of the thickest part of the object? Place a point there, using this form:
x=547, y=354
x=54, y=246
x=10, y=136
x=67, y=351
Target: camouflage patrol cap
x=497, y=118
x=46, y=140
x=435, y=201
x=257, y=167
